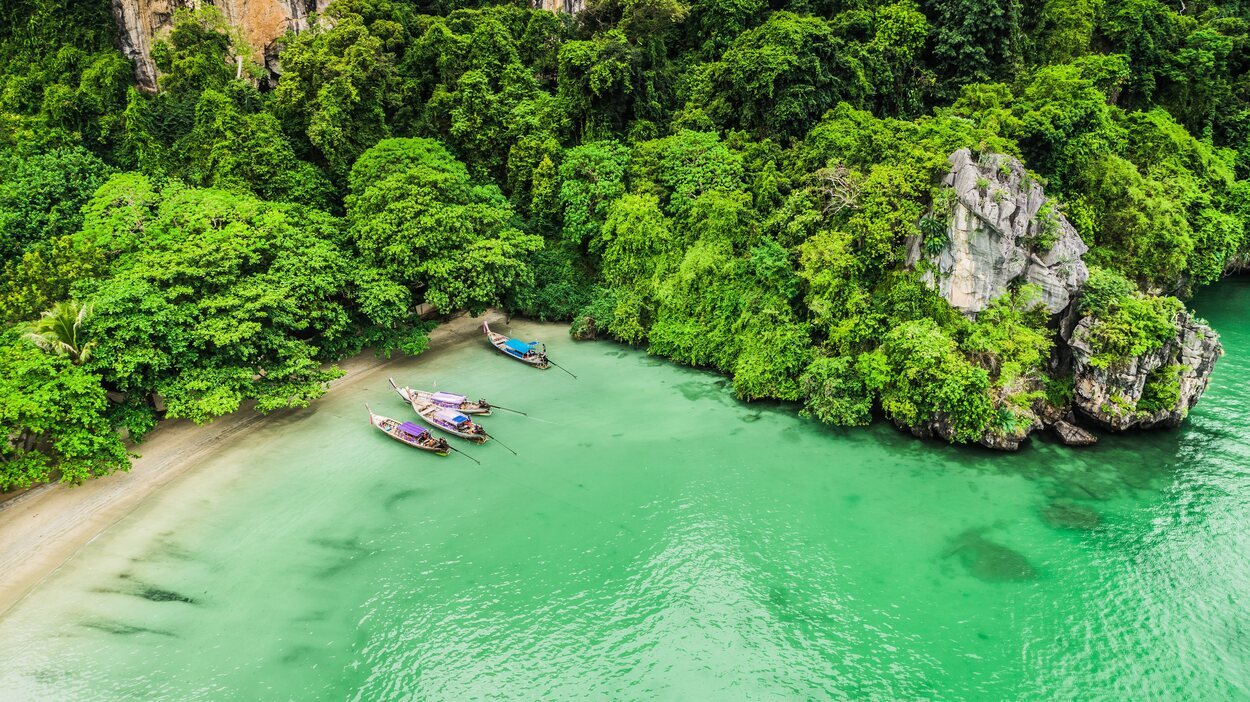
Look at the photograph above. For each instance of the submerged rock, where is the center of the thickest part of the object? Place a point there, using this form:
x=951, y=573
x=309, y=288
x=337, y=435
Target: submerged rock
x=989, y=561
x=1065, y=514
x=1112, y=396
x=1001, y=230
x=156, y=594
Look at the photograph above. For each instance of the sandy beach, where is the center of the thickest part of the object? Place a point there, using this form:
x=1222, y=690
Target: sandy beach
x=42, y=528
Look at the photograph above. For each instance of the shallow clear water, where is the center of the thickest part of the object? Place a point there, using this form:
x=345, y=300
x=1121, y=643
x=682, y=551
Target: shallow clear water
x=657, y=539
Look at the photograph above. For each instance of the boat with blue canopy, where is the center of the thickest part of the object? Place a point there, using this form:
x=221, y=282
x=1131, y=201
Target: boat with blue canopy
x=531, y=353
x=443, y=399
x=451, y=421
x=408, y=433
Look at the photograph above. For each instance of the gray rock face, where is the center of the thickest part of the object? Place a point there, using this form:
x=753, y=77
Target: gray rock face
x=572, y=7
x=138, y=22
x=1001, y=232
x=141, y=23
x=1072, y=435
x=1111, y=396
x=997, y=225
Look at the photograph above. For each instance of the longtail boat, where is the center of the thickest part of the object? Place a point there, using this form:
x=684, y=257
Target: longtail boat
x=450, y=421
x=530, y=353
x=414, y=435
x=443, y=399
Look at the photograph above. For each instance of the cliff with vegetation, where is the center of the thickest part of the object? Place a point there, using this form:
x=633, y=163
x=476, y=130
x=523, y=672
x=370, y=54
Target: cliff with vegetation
x=972, y=218
x=256, y=24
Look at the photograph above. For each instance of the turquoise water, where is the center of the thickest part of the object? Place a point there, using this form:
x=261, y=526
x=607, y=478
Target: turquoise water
x=657, y=539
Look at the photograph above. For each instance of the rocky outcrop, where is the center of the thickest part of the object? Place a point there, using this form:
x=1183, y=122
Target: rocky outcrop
x=1072, y=435
x=138, y=23
x=939, y=426
x=1001, y=230
x=1155, y=389
x=141, y=23
x=572, y=7
x=994, y=229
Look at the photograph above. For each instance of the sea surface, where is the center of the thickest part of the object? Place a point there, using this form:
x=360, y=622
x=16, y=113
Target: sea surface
x=654, y=538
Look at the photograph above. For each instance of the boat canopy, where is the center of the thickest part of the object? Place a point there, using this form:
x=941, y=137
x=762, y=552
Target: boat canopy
x=452, y=416
x=447, y=398
x=413, y=429
x=521, y=346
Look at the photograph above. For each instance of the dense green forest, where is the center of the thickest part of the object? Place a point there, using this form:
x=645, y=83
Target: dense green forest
x=729, y=183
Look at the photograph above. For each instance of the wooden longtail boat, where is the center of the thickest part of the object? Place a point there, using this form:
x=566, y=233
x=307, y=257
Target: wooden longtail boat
x=445, y=419
x=414, y=435
x=530, y=353
x=443, y=399
x=451, y=421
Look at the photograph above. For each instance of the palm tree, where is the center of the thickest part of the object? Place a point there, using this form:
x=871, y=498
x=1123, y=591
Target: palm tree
x=60, y=331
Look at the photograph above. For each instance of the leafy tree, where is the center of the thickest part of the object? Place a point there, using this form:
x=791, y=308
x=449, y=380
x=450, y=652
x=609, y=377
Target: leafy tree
x=52, y=419
x=416, y=216
x=921, y=376
x=198, y=53
x=834, y=392
x=976, y=40
x=636, y=237
x=596, y=83
x=61, y=331
x=229, y=299
x=592, y=176
x=44, y=276
x=776, y=79
x=337, y=89
x=41, y=195
x=248, y=153
x=1132, y=325
x=681, y=168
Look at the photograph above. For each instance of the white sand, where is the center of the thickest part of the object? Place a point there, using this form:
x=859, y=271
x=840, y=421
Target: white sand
x=41, y=529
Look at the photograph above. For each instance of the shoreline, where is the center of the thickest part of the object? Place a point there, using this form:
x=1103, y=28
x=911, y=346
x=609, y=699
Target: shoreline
x=43, y=527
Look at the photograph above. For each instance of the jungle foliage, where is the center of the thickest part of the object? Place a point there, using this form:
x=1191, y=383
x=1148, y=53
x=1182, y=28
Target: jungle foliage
x=728, y=183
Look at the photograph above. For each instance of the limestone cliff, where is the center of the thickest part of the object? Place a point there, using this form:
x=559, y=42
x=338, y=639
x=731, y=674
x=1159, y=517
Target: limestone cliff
x=1001, y=229
x=572, y=7
x=1155, y=389
x=140, y=23
x=995, y=229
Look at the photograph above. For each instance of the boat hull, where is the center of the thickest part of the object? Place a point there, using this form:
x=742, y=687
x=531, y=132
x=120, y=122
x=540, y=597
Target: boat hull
x=387, y=426
x=425, y=410
x=464, y=407
x=500, y=342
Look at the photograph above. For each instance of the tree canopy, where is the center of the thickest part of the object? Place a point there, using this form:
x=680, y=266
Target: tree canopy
x=730, y=184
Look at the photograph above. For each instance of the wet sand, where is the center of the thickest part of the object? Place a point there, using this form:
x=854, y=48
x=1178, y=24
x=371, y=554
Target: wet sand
x=43, y=527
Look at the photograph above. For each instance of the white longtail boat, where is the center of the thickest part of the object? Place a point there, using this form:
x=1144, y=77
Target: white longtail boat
x=443, y=399
x=446, y=419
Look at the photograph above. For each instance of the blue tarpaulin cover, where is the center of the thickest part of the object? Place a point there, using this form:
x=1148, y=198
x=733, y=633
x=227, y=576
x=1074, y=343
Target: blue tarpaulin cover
x=414, y=429
x=520, y=346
